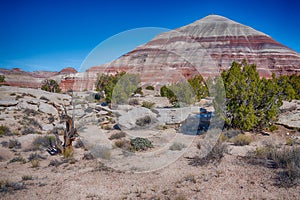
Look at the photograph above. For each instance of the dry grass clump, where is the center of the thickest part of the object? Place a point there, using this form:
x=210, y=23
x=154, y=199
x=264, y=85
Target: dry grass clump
x=286, y=160
x=177, y=146
x=27, y=177
x=148, y=104
x=241, y=140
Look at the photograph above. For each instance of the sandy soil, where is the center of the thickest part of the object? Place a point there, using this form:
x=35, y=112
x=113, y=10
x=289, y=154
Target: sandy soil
x=232, y=178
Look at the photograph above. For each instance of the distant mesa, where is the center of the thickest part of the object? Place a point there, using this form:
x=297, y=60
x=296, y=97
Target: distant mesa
x=68, y=70
x=206, y=46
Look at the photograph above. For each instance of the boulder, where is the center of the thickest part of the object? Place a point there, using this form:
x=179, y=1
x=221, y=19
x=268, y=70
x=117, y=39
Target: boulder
x=290, y=119
x=48, y=109
x=7, y=103
x=25, y=105
x=128, y=119
x=47, y=127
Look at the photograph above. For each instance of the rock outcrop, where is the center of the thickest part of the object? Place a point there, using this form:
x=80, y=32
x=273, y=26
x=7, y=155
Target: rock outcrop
x=206, y=46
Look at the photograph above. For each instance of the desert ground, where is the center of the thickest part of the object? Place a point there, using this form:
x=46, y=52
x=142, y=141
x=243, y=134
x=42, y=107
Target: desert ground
x=96, y=169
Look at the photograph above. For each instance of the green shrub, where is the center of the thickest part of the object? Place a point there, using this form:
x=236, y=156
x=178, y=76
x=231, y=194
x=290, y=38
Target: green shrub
x=149, y=87
x=4, y=130
x=143, y=121
x=148, y=104
x=177, y=146
x=50, y=85
x=2, y=78
x=118, y=135
x=141, y=144
x=241, y=140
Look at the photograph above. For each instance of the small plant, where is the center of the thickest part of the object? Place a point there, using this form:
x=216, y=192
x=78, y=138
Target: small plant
x=273, y=128
x=27, y=177
x=290, y=141
x=241, y=140
x=148, y=104
x=223, y=137
x=14, y=144
x=4, y=130
x=141, y=144
x=176, y=146
x=118, y=135
x=149, y=87
x=35, y=163
x=143, y=121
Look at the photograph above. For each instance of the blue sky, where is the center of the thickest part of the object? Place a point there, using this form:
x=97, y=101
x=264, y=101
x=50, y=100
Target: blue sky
x=53, y=34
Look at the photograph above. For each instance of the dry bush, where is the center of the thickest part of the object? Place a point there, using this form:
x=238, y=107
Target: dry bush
x=43, y=142
x=214, y=156
x=79, y=144
x=35, y=156
x=118, y=135
x=18, y=159
x=14, y=144
x=134, y=102
x=143, y=121
x=8, y=186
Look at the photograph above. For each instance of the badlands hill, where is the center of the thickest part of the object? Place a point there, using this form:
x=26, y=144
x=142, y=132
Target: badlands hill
x=206, y=46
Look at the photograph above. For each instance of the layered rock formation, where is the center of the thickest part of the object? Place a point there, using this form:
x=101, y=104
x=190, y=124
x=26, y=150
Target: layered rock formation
x=19, y=78
x=206, y=46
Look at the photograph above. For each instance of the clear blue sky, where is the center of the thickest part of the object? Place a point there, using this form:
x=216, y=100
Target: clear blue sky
x=53, y=34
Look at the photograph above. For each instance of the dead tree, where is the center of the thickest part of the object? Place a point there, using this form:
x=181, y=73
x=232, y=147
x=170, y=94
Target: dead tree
x=70, y=134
